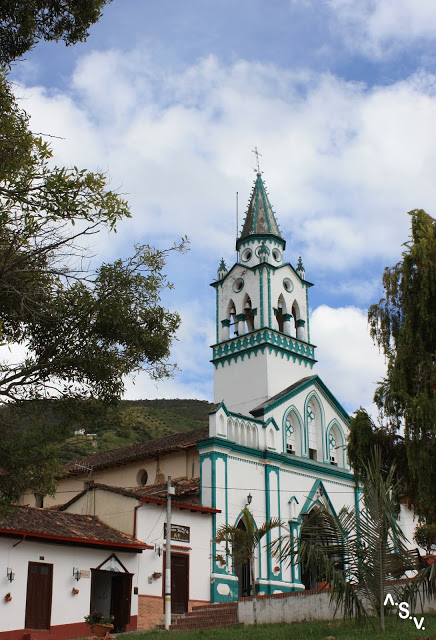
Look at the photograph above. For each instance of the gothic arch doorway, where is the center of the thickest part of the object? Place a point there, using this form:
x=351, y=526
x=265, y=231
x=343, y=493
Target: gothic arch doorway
x=242, y=571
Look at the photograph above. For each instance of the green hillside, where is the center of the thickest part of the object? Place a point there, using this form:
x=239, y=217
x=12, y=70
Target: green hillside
x=137, y=421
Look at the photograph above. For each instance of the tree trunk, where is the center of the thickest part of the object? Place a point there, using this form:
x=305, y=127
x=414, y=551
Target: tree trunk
x=253, y=591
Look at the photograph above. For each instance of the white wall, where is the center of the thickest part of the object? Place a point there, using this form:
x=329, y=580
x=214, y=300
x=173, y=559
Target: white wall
x=66, y=607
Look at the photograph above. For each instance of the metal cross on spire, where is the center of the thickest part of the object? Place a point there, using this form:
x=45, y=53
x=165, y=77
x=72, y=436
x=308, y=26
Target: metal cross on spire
x=257, y=154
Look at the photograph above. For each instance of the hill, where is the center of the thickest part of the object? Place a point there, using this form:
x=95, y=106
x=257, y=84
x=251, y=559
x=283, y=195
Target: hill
x=137, y=421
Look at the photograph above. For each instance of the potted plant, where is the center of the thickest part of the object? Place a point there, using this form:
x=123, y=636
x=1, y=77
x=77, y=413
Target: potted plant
x=100, y=625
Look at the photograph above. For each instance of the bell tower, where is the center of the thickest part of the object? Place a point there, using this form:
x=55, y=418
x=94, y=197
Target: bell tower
x=262, y=314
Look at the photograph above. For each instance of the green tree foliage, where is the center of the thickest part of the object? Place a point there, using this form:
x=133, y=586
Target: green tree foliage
x=360, y=550
x=244, y=542
x=425, y=537
x=73, y=332
x=24, y=22
x=403, y=324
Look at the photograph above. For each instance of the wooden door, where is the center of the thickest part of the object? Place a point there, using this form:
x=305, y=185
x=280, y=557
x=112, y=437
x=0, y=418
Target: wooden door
x=121, y=590
x=179, y=582
x=39, y=591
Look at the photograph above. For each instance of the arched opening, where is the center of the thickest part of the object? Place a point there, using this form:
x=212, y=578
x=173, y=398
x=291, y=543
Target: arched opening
x=293, y=434
x=314, y=429
x=295, y=318
x=255, y=436
x=229, y=429
x=233, y=321
x=335, y=446
x=312, y=577
x=248, y=312
x=242, y=571
x=281, y=316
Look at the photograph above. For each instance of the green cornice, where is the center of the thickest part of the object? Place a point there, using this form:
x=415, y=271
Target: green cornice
x=268, y=456
x=256, y=237
x=242, y=417
x=316, y=380
x=251, y=343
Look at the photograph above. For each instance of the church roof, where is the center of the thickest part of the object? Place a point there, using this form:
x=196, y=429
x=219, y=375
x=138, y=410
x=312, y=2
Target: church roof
x=298, y=386
x=259, y=219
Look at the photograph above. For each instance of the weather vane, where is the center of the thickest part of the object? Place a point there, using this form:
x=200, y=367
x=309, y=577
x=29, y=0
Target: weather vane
x=257, y=154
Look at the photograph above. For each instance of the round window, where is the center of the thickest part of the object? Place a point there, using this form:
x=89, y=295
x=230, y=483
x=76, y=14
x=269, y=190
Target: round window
x=246, y=255
x=277, y=255
x=142, y=478
x=287, y=283
x=238, y=285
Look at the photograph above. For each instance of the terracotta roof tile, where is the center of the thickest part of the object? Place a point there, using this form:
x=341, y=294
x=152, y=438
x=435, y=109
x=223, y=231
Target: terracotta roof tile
x=65, y=527
x=138, y=451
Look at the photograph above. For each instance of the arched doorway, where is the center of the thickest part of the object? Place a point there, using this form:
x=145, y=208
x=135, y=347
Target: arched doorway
x=242, y=571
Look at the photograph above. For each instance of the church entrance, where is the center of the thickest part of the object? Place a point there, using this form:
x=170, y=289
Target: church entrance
x=242, y=571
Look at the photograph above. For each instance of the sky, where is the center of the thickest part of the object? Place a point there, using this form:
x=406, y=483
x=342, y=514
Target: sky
x=170, y=98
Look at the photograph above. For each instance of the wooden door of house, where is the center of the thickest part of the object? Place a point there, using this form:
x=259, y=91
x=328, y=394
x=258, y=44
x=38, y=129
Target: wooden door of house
x=121, y=590
x=39, y=592
x=179, y=582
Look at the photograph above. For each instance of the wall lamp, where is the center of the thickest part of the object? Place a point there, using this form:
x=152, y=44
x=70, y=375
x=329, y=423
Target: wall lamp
x=158, y=550
x=9, y=574
x=76, y=573
x=249, y=499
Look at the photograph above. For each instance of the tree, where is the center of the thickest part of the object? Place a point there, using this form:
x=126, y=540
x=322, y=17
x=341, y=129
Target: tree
x=403, y=324
x=359, y=550
x=244, y=544
x=79, y=331
x=24, y=22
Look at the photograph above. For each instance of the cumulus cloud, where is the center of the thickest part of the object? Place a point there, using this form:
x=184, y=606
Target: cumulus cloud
x=343, y=163
x=381, y=27
x=348, y=362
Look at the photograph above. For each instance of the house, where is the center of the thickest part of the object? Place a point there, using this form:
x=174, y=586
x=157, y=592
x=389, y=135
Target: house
x=57, y=566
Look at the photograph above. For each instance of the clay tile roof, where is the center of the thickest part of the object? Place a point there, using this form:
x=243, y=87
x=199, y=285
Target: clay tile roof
x=138, y=451
x=65, y=527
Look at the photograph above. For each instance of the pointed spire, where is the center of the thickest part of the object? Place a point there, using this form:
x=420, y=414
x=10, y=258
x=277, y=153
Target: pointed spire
x=260, y=219
x=222, y=270
x=300, y=269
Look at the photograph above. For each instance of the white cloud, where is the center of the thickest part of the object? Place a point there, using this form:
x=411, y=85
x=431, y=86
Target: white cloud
x=380, y=27
x=348, y=361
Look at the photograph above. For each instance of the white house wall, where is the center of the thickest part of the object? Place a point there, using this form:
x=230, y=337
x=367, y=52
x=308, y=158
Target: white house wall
x=67, y=609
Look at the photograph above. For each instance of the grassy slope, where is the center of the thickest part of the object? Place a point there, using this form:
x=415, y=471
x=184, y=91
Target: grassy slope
x=138, y=421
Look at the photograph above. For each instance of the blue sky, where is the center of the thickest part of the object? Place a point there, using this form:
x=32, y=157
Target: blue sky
x=169, y=98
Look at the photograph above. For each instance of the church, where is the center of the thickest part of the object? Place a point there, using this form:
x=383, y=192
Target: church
x=277, y=436
x=275, y=443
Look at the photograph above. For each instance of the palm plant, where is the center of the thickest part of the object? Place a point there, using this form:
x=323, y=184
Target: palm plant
x=245, y=543
x=360, y=551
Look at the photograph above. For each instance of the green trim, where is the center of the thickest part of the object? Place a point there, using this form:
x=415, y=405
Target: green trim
x=316, y=380
x=290, y=282
x=217, y=315
x=310, y=395
x=216, y=597
x=240, y=317
x=310, y=501
x=268, y=470
x=239, y=279
x=254, y=238
x=294, y=462
x=260, y=265
x=261, y=339
x=307, y=313
x=269, y=300
x=331, y=424
x=225, y=323
x=303, y=442
x=246, y=259
x=300, y=323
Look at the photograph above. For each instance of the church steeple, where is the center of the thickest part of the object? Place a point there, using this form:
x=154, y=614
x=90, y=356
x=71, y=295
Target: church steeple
x=259, y=218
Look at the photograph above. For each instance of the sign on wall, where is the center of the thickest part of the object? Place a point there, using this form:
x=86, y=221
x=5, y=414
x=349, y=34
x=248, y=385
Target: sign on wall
x=178, y=532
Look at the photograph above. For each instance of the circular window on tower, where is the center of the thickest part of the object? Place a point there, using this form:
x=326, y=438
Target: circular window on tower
x=141, y=478
x=238, y=285
x=277, y=255
x=246, y=255
x=287, y=283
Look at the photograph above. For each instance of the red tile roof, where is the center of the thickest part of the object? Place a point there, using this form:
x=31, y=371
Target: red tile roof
x=187, y=494
x=139, y=451
x=48, y=524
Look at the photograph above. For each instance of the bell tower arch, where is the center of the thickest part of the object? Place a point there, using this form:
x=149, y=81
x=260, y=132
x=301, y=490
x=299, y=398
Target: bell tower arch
x=262, y=314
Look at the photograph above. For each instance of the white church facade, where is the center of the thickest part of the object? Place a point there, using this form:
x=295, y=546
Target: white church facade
x=277, y=437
